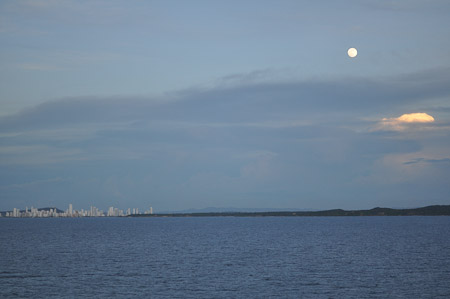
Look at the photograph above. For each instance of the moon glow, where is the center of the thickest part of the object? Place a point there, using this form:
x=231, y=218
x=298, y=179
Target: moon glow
x=352, y=52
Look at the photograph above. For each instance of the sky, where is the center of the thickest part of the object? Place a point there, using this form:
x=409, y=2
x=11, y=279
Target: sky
x=245, y=104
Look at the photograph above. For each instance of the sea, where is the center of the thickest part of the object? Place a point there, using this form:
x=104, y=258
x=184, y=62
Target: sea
x=226, y=257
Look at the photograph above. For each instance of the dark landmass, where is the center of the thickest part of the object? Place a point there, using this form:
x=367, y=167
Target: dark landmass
x=437, y=210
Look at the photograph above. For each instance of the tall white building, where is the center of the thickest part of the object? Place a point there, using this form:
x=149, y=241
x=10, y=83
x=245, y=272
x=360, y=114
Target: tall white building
x=70, y=210
x=110, y=211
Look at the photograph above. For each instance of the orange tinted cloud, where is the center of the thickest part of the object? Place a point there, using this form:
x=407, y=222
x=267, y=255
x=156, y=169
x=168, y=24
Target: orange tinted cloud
x=400, y=123
x=416, y=118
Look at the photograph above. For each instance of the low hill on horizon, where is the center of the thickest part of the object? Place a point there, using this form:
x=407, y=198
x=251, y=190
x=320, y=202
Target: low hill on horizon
x=434, y=210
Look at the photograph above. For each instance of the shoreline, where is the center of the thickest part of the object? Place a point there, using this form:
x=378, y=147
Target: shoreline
x=435, y=210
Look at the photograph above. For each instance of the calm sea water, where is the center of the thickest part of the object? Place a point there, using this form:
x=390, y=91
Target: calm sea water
x=228, y=257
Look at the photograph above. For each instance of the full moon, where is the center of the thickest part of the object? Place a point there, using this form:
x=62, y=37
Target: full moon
x=352, y=52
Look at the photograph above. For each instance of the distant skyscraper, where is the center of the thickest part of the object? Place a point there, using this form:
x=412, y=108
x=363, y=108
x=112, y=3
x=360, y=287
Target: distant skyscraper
x=70, y=210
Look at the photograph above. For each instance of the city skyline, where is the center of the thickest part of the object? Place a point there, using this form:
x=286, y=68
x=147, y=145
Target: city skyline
x=70, y=212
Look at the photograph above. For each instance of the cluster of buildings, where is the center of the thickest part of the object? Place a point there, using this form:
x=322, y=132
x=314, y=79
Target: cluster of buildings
x=70, y=212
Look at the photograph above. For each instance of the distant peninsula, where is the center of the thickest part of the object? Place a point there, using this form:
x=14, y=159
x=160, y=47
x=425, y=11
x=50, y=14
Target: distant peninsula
x=435, y=210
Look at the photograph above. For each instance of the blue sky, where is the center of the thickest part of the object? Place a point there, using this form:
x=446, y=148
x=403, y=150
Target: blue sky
x=247, y=104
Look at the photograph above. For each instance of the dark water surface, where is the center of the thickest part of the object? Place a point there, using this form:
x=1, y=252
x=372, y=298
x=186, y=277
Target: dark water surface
x=226, y=257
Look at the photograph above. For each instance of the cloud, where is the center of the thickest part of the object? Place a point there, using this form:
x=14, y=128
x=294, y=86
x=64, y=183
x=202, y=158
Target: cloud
x=249, y=143
x=404, y=121
x=309, y=101
x=424, y=160
x=415, y=118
